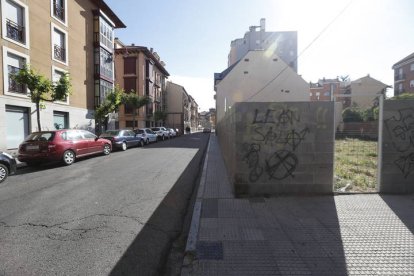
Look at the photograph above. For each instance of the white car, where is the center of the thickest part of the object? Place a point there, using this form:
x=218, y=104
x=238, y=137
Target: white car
x=173, y=132
x=161, y=132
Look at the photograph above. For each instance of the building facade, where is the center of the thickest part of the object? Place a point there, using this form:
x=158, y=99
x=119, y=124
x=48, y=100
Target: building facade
x=258, y=77
x=177, y=106
x=78, y=41
x=362, y=92
x=283, y=44
x=404, y=75
x=140, y=70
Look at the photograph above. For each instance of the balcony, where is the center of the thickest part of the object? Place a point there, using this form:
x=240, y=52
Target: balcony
x=399, y=77
x=58, y=11
x=13, y=85
x=59, y=53
x=15, y=31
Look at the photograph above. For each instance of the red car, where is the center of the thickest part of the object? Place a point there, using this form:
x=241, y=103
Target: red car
x=61, y=145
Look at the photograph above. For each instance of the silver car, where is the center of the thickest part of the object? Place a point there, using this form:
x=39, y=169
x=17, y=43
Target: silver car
x=147, y=135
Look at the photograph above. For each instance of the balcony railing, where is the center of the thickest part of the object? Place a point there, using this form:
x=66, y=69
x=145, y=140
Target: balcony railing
x=13, y=85
x=58, y=11
x=59, y=53
x=15, y=31
x=399, y=77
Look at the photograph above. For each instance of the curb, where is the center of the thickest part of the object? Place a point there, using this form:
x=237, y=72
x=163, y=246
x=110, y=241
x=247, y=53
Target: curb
x=190, y=248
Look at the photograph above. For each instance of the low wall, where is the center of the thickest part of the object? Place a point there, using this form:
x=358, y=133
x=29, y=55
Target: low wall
x=397, y=172
x=279, y=148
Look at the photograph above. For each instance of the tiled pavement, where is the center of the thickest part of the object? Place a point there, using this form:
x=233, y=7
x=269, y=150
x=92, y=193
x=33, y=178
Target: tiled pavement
x=359, y=234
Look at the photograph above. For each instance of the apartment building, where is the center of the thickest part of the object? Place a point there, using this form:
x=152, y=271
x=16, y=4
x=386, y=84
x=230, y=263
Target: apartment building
x=141, y=70
x=331, y=90
x=283, y=44
x=404, y=75
x=362, y=92
x=177, y=106
x=55, y=37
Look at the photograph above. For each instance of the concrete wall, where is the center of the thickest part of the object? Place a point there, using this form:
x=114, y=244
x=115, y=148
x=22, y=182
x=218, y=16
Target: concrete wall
x=397, y=173
x=279, y=148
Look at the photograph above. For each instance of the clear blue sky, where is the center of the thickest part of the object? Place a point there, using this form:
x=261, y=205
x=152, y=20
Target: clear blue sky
x=193, y=37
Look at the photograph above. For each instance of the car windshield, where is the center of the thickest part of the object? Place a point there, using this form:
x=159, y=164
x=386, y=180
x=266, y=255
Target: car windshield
x=40, y=136
x=139, y=131
x=155, y=128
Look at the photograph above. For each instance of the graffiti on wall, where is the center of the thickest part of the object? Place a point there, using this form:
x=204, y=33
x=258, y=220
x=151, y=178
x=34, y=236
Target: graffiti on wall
x=276, y=135
x=401, y=130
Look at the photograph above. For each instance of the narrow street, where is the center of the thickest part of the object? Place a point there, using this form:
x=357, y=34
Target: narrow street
x=105, y=215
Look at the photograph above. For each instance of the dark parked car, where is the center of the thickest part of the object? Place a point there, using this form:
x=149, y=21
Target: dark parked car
x=147, y=134
x=7, y=165
x=123, y=138
x=61, y=145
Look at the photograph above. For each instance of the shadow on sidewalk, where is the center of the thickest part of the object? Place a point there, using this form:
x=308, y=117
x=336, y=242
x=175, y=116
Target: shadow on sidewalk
x=402, y=206
x=149, y=251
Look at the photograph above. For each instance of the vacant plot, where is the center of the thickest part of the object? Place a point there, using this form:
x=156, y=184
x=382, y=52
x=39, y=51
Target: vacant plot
x=355, y=165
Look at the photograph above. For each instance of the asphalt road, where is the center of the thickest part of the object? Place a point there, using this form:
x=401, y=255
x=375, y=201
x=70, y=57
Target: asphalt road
x=105, y=215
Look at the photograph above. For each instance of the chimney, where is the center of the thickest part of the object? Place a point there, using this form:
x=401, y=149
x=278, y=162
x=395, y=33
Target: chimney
x=263, y=24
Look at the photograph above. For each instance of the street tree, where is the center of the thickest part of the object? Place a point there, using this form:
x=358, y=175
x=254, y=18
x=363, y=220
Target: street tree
x=160, y=116
x=135, y=102
x=41, y=89
x=109, y=105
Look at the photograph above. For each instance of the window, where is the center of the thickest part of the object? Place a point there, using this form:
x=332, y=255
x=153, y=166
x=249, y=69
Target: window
x=128, y=109
x=106, y=34
x=60, y=120
x=104, y=63
x=88, y=135
x=15, y=22
x=412, y=67
x=130, y=65
x=130, y=84
x=59, y=45
x=13, y=61
x=411, y=83
x=59, y=9
x=130, y=124
x=57, y=73
x=102, y=88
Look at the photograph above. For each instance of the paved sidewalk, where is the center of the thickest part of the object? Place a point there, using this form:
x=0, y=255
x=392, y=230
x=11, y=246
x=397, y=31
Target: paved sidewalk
x=358, y=234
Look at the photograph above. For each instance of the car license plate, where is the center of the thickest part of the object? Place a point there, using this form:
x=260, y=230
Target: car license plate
x=32, y=147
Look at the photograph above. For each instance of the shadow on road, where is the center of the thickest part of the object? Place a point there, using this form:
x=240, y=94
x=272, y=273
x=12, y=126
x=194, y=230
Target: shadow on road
x=149, y=252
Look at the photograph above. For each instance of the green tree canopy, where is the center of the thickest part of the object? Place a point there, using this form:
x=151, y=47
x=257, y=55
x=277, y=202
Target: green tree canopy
x=42, y=89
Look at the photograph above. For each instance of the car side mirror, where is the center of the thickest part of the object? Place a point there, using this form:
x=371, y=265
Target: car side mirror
x=96, y=138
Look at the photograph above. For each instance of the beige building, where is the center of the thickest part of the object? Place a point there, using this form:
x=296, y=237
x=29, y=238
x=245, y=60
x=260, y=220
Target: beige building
x=365, y=91
x=258, y=77
x=140, y=69
x=55, y=37
x=177, y=106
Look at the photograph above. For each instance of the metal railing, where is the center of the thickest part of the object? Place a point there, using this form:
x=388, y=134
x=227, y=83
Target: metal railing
x=15, y=31
x=59, y=53
x=58, y=11
x=14, y=86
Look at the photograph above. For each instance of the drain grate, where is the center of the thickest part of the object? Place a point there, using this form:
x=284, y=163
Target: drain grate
x=209, y=250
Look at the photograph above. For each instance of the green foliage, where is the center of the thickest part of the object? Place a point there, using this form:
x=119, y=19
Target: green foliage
x=135, y=101
x=356, y=114
x=42, y=89
x=110, y=104
x=404, y=96
x=355, y=164
x=352, y=114
x=160, y=116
